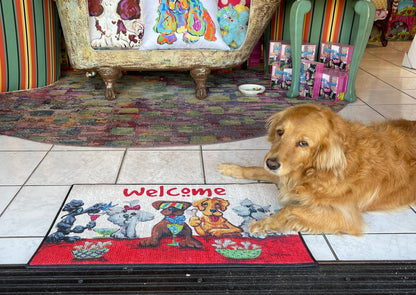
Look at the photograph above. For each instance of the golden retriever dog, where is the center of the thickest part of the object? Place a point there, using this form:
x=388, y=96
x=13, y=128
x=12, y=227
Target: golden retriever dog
x=212, y=223
x=330, y=170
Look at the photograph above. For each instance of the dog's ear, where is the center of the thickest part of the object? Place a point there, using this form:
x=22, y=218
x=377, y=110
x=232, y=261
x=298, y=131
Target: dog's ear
x=271, y=124
x=157, y=204
x=198, y=204
x=224, y=204
x=185, y=205
x=330, y=155
x=242, y=210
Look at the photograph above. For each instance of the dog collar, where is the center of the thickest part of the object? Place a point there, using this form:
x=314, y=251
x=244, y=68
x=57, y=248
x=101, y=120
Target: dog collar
x=176, y=220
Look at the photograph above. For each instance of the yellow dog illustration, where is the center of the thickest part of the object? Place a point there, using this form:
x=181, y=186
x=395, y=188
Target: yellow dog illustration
x=212, y=223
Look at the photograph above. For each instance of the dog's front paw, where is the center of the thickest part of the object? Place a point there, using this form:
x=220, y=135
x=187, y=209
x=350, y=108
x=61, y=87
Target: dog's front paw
x=191, y=243
x=194, y=221
x=232, y=170
x=266, y=226
x=118, y=235
x=98, y=42
x=148, y=242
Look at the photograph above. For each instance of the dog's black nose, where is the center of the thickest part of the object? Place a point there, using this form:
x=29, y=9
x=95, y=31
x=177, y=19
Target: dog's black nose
x=272, y=163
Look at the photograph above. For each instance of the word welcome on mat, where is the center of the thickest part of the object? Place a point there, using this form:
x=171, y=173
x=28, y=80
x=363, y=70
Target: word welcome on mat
x=167, y=225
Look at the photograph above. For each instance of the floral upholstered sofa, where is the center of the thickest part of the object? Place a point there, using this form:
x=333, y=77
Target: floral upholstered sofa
x=111, y=36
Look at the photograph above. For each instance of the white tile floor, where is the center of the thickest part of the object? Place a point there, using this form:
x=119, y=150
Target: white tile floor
x=35, y=178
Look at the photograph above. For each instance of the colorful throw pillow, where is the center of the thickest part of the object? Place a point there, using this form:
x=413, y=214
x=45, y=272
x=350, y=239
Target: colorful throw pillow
x=115, y=23
x=233, y=23
x=181, y=24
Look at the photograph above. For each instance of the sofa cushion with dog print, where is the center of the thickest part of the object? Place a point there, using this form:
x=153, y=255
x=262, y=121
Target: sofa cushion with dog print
x=115, y=23
x=181, y=24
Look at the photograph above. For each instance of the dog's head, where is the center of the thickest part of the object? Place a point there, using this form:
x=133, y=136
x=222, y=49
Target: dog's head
x=248, y=209
x=129, y=214
x=171, y=208
x=214, y=206
x=306, y=137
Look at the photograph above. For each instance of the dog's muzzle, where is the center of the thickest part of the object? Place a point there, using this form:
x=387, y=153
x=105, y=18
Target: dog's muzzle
x=272, y=164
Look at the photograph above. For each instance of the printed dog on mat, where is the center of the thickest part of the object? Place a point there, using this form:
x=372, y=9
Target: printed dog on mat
x=250, y=212
x=330, y=170
x=173, y=212
x=127, y=218
x=212, y=223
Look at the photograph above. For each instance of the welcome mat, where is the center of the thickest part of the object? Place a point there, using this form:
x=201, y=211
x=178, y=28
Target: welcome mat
x=151, y=109
x=192, y=225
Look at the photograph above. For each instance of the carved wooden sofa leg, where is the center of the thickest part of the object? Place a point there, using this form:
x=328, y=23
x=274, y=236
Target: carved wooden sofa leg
x=200, y=76
x=109, y=75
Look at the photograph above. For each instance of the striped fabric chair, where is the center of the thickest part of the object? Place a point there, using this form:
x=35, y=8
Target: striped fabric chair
x=29, y=44
x=328, y=21
x=325, y=21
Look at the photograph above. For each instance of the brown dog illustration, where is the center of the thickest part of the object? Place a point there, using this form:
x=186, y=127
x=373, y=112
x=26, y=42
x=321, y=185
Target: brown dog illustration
x=173, y=224
x=212, y=223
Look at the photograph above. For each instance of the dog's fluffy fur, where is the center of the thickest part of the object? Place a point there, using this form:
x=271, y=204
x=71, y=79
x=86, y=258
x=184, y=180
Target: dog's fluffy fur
x=330, y=170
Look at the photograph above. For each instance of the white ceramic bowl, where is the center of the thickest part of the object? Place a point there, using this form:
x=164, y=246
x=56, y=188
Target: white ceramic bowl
x=251, y=89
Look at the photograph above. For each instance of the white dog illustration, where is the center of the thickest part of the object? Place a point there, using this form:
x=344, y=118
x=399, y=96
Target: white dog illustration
x=250, y=212
x=128, y=218
x=113, y=24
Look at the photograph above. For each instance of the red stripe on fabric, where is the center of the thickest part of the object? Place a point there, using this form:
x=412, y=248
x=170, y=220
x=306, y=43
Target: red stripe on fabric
x=328, y=20
x=306, y=26
x=276, y=32
x=3, y=76
x=280, y=19
x=337, y=17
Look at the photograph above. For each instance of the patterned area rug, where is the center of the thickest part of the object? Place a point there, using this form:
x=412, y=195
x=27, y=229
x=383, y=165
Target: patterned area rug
x=167, y=225
x=151, y=109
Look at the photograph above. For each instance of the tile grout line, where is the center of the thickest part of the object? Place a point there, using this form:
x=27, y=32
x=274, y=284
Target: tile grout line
x=21, y=237
x=330, y=247
x=121, y=166
x=378, y=78
x=372, y=108
x=388, y=84
x=24, y=183
x=201, y=151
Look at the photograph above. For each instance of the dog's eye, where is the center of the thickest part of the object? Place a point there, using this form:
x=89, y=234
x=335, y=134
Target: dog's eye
x=280, y=132
x=303, y=143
